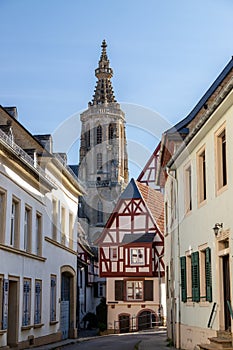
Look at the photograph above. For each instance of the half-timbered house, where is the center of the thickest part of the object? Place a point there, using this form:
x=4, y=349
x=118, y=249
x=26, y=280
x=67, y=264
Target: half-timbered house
x=131, y=258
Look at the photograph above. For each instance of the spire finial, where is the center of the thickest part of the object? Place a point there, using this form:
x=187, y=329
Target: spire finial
x=103, y=91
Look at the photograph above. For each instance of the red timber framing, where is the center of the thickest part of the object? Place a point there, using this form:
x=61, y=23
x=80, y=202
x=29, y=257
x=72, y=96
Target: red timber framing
x=148, y=174
x=136, y=225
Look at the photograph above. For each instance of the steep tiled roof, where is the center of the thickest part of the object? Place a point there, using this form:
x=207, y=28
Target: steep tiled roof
x=155, y=202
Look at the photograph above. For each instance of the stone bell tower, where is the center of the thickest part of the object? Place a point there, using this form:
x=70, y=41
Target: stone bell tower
x=103, y=166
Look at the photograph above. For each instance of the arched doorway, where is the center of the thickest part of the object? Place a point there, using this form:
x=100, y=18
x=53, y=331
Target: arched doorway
x=124, y=323
x=68, y=303
x=146, y=319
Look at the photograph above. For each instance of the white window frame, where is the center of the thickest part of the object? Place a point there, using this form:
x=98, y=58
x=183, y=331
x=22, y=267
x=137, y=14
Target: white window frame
x=137, y=256
x=134, y=290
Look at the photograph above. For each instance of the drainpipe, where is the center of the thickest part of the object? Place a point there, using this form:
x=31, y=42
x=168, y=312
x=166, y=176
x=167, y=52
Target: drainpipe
x=173, y=178
x=159, y=275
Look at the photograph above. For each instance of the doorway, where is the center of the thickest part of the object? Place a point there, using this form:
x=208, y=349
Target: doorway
x=12, y=328
x=146, y=319
x=124, y=323
x=65, y=305
x=226, y=291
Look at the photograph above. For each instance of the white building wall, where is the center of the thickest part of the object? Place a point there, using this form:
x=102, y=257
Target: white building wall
x=195, y=230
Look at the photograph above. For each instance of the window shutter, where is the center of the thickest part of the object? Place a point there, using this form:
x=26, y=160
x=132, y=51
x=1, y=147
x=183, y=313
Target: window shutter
x=119, y=290
x=183, y=278
x=195, y=277
x=148, y=290
x=5, y=304
x=208, y=275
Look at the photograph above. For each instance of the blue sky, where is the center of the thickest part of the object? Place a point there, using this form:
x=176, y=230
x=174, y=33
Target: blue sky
x=165, y=54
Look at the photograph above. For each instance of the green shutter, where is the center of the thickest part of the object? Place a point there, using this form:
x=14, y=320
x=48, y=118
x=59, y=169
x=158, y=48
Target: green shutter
x=208, y=275
x=195, y=277
x=183, y=278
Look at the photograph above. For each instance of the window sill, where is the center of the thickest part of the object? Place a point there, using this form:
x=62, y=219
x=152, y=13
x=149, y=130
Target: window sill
x=221, y=190
x=202, y=203
x=25, y=328
x=3, y=331
x=204, y=303
x=39, y=325
x=53, y=322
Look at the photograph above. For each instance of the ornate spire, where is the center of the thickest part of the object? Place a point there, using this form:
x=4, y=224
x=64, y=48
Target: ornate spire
x=103, y=91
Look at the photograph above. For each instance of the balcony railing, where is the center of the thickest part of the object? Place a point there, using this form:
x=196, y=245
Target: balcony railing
x=22, y=154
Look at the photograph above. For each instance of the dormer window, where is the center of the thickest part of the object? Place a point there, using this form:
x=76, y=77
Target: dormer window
x=136, y=256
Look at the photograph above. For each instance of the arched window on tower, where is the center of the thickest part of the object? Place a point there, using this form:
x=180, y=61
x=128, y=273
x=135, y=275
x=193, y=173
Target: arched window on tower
x=99, y=134
x=99, y=212
x=88, y=138
x=99, y=161
x=110, y=133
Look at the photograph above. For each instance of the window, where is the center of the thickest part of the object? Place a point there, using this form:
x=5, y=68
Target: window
x=136, y=256
x=26, y=302
x=99, y=134
x=188, y=189
x=53, y=286
x=99, y=212
x=38, y=233
x=4, y=290
x=134, y=290
x=38, y=297
x=99, y=161
x=27, y=229
x=114, y=253
x=63, y=225
x=54, y=219
x=14, y=231
x=201, y=176
x=88, y=138
x=221, y=159
x=101, y=290
x=2, y=215
x=110, y=133
x=71, y=225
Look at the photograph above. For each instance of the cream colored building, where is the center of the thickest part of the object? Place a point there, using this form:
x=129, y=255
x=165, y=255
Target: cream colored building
x=38, y=239
x=198, y=198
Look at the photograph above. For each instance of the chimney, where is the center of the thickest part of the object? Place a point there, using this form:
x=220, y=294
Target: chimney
x=12, y=111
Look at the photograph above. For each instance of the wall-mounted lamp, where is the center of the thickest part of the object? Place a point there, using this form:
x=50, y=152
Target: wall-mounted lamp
x=217, y=227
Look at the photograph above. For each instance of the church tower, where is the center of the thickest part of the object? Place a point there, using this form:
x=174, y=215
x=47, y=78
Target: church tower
x=103, y=165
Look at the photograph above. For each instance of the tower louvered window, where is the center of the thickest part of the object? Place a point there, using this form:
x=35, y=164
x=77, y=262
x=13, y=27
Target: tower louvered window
x=99, y=134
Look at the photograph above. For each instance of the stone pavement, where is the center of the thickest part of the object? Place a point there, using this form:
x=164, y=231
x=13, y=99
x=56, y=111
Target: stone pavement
x=157, y=340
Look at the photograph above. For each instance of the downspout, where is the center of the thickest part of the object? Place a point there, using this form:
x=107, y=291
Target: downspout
x=173, y=178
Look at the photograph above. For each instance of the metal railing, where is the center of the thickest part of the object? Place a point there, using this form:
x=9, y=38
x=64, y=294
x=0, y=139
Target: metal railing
x=230, y=308
x=211, y=315
x=136, y=323
x=21, y=153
